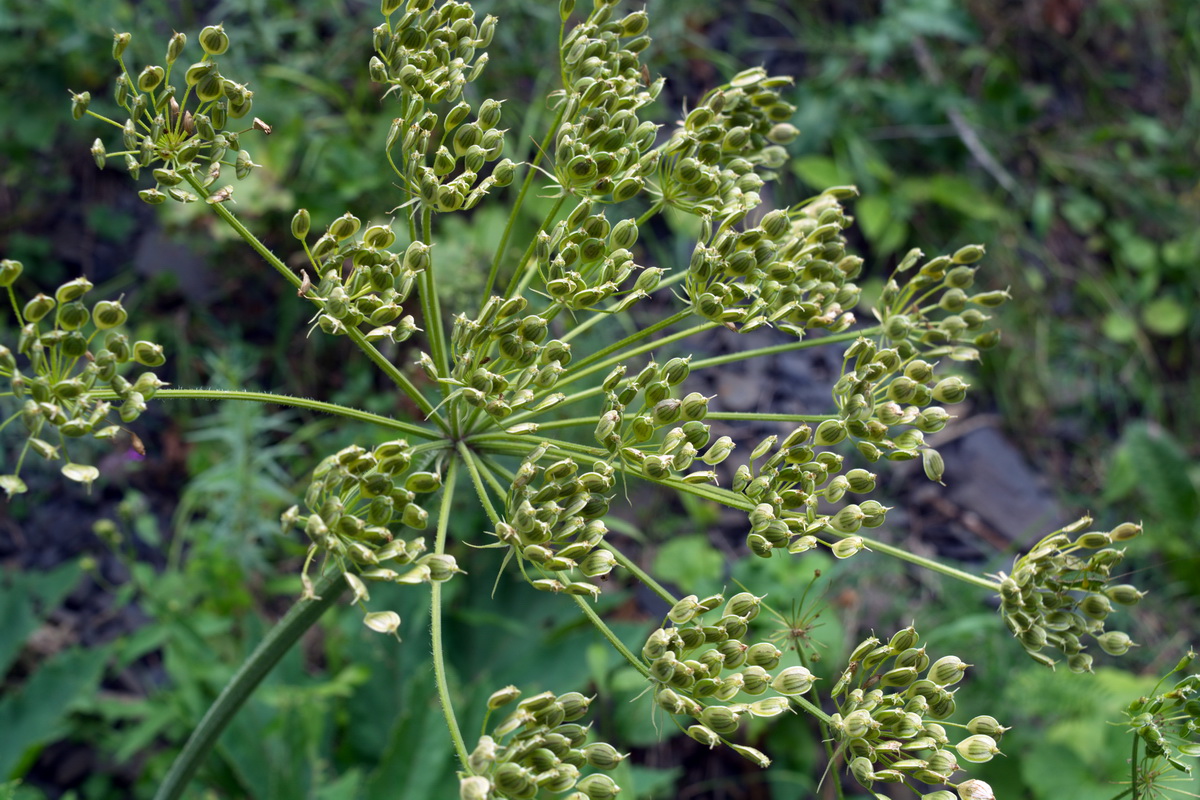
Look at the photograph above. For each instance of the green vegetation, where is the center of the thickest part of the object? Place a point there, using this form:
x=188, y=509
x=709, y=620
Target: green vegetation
x=533, y=313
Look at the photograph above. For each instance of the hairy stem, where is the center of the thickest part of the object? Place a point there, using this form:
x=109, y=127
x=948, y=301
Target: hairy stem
x=302, y=616
x=799, y=344
x=287, y=400
x=435, y=615
x=920, y=561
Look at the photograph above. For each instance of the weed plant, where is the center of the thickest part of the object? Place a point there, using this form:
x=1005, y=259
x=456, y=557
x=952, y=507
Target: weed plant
x=545, y=434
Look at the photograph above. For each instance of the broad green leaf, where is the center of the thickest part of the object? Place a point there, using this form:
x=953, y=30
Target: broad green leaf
x=33, y=714
x=691, y=563
x=26, y=599
x=1119, y=327
x=819, y=172
x=1165, y=316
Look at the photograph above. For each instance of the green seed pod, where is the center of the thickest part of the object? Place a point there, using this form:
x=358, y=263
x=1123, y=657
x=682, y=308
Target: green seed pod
x=950, y=390
x=990, y=299
x=10, y=270
x=344, y=226
x=1096, y=606
x=71, y=290
x=969, y=254
x=947, y=670
x=149, y=78
x=1126, y=531
x=301, y=223
x=684, y=609
x=986, y=725
x=98, y=153
x=1124, y=594
x=1115, y=643
x=978, y=748
x=830, y=432
x=763, y=654
x=743, y=604
x=598, y=786
x=793, y=681
x=720, y=719
x=214, y=40
x=120, y=42
x=934, y=466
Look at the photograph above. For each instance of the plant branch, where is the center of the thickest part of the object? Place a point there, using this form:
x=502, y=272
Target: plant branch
x=920, y=561
x=286, y=400
x=435, y=615
x=639, y=573
x=607, y=632
x=799, y=344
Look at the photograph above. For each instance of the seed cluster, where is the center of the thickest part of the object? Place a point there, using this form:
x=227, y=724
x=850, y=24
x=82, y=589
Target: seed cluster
x=602, y=150
x=700, y=666
x=187, y=141
x=553, y=521
x=639, y=408
x=358, y=501
x=888, y=721
x=540, y=745
x=68, y=367
x=1055, y=597
x=1168, y=723
x=426, y=56
x=361, y=281
x=721, y=154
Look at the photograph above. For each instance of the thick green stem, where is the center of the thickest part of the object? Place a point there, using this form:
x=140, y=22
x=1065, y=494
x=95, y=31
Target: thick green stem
x=287, y=400
x=812, y=708
x=477, y=479
x=302, y=616
x=435, y=614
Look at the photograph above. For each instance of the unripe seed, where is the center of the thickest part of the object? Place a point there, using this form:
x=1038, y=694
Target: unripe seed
x=214, y=40
x=947, y=670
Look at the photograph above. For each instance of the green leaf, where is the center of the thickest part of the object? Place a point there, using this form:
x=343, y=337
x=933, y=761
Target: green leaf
x=33, y=714
x=419, y=759
x=1119, y=327
x=1165, y=316
x=18, y=596
x=1149, y=461
x=691, y=563
x=819, y=172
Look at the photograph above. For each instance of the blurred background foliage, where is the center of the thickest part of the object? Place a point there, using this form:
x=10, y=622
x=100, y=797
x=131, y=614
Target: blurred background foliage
x=1063, y=134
